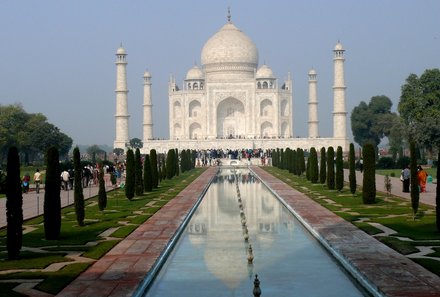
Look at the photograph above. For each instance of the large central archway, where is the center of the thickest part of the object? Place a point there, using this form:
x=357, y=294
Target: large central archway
x=230, y=118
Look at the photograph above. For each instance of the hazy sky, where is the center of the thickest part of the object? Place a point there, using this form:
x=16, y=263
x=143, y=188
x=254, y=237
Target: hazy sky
x=57, y=57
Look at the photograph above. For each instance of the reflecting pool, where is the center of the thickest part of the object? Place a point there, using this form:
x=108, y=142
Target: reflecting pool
x=211, y=257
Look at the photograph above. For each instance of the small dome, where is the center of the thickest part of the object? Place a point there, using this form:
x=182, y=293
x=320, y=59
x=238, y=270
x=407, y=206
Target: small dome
x=339, y=47
x=312, y=72
x=147, y=74
x=265, y=72
x=121, y=51
x=229, y=45
x=194, y=73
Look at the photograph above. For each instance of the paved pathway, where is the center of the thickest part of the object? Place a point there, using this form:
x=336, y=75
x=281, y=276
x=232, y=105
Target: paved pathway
x=385, y=271
x=33, y=203
x=396, y=188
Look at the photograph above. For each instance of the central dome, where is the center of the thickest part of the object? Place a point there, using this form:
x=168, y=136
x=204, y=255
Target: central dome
x=230, y=46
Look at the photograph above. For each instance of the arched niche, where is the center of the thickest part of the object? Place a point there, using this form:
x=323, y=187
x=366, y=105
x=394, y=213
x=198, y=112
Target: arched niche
x=195, y=131
x=194, y=109
x=230, y=118
x=266, y=130
x=266, y=108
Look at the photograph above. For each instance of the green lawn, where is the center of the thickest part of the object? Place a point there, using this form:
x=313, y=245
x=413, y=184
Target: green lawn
x=122, y=214
x=390, y=211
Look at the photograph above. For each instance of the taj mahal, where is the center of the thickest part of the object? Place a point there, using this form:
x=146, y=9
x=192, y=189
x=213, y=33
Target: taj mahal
x=231, y=102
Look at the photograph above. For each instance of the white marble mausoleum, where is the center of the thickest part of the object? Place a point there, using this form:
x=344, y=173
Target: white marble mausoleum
x=230, y=102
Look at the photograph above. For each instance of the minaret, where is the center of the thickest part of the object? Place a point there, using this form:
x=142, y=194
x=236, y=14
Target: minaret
x=121, y=115
x=339, y=113
x=313, y=105
x=148, y=106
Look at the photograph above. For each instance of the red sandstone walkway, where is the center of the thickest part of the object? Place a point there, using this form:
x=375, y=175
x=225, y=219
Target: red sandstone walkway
x=120, y=271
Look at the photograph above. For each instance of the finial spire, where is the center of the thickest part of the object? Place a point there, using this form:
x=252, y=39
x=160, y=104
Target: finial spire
x=229, y=14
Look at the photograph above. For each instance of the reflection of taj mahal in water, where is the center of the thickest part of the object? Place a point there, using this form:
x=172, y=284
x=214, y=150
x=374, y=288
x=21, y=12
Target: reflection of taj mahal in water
x=231, y=103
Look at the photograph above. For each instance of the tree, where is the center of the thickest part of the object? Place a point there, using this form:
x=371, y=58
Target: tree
x=369, y=181
x=323, y=167
x=52, y=198
x=314, y=171
x=415, y=195
x=370, y=122
x=78, y=189
x=176, y=162
x=154, y=171
x=339, y=169
x=419, y=107
x=102, y=194
x=170, y=164
x=352, y=168
x=14, y=205
x=93, y=151
x=118, y=152
x=130, y=175
x=330, y=168
x=138, y=179
x=148, y=174
x=135, y=143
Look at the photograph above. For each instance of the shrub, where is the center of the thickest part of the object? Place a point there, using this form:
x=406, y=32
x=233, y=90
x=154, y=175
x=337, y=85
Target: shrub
x=130, y=175
x=52, y=200
x=339, y=169
x=154, y=170
x=170, y=164
x=402, y=162
x=352, y=169
x=14, y=205
x=369, y=181
x=78, y=194
x=323, y=167
x=313, y=159
x=385, y=163
x=148, y=174
x=102, y=194
x=138, y=184
x=330, y=168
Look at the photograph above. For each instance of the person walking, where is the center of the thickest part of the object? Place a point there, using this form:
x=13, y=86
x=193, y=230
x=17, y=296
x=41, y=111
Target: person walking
x=65, y=179
x=422, y=177
x=405, y=178
x=37, y=180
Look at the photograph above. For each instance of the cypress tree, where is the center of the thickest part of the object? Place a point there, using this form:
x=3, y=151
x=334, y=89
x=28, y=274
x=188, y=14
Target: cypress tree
x=369, y=180
x=148, y=174
x=287, y=159
x=14, y=205
x=314, y=171
x=323, y=167
x=308, y=169
x=415, y=193
x=170, y=164
x=164, y=168
x=275, y=158
x=352, y=169
x=102, y=194
x=154, y=171
x=183, y=161
x=330, y=168
x=78, y=194
x=301, y=162
x=176, y=162
x=52, y=198
x=282, y=157
x=295, y=161
x=138, y=184
x=130, y=175
x=339, y=169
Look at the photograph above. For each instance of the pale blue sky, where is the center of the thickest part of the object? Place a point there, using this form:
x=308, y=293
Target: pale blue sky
x=57, y=57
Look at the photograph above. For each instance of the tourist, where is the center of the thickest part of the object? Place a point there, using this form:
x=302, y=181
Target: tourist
x=422, y=177
x=65, y=179
x=405, y=178
x=25, y=181
x=37, y=180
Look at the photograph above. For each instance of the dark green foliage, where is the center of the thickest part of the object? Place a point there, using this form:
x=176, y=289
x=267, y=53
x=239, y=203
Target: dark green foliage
x=295, y=161
x=308, y=169
x=148, y=174
x=130, y=175
x=369, y=180
x=331, y=168
x=437, y=196
x=339, y=169
x=52, y=198
x=282, y=159
x=170, y=164
x=138, y=184
x=154, y=170
x=102, y=194
x=415, y=193
x=78, y=194
x=14, y=205
x=402, y=162
x=302, y=162
x=313, y=160
x=352, y=168
x=176, y=162
x=323, y=167
x=183, y=161
x=386, y=163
